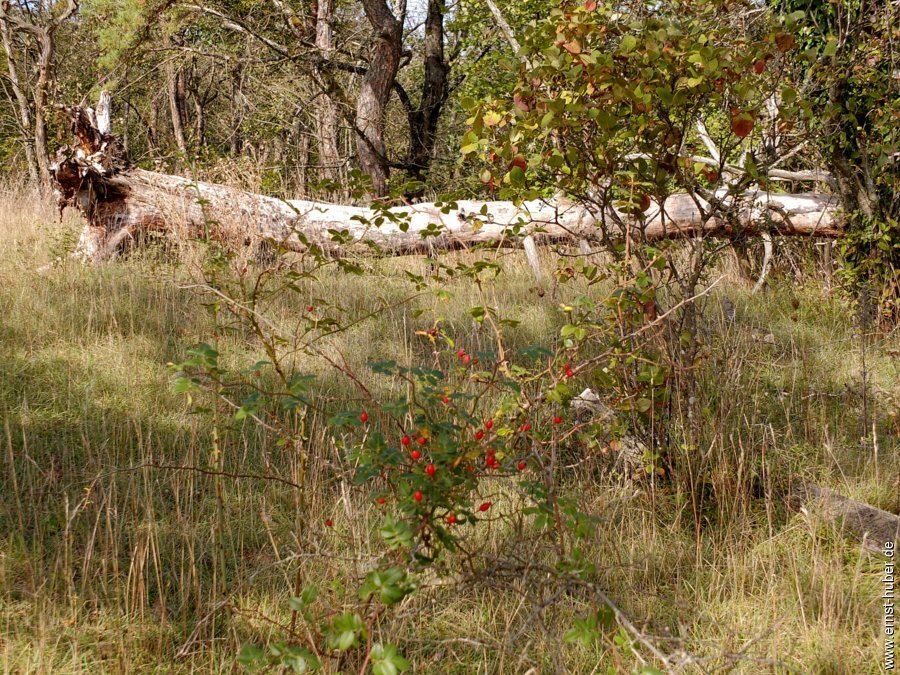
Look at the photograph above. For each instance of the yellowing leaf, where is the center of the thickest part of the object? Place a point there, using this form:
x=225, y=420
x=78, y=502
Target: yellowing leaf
x=492, y=118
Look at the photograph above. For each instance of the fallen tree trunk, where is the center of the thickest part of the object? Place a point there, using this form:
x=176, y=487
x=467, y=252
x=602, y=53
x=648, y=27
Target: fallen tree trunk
x=120, y=202
x=871, y=526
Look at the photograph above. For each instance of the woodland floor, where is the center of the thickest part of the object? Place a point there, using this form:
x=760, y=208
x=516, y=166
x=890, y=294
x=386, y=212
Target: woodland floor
x=118, y=582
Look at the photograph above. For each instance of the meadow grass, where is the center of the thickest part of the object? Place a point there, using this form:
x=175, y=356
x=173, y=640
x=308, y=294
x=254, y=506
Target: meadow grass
x=107, y=565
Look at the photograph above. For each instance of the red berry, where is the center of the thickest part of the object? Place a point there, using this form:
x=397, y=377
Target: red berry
x=479, y=435
x=310, y=308
x=525, y=427
x=381, y=500
x=485, y=506
x=557, y=420
x=421, y=440
x=445, y=400
x=417, y=495
x=466, y=358
x=451, y=519
x=569, y=373
x=522, y=466
x=431, y=469
x=568, y=366
x=491, y=452
x=489, y=425
x=416, y=455
x=406, y=440
x=329, y=523
x=364, y=417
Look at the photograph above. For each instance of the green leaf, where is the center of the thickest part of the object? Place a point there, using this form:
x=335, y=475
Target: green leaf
x=386, y=660
x=388, y=584
x=517, y=176
x=300, y=660
x=251, y=657
x=629, y=42
x=664, y=95
x=248, y=407
x=345, y=631
x=584, y=632
x=396, y=534
x=383, y=367
x=307, y=597
x=183, y=385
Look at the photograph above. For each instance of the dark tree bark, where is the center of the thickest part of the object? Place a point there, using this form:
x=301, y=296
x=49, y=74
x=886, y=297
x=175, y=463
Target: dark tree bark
x=175, y=92
x=378, y=82
x=423, y=119
x=237, y=108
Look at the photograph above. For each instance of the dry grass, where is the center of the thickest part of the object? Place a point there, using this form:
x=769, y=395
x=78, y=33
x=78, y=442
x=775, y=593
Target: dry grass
x=107, y=569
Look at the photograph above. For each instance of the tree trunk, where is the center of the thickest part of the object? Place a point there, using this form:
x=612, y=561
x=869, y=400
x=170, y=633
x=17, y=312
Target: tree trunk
x=376, y=92
x=21, y=103
x=174, y=91
x=153, y=124
x=199, y=123
x=423, y=120
x=302, y=162
x=237, y=108
x=41, y=90
x=326, y=113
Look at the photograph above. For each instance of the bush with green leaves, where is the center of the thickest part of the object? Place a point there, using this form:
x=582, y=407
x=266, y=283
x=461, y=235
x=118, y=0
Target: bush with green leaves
x=441, y=445
x=608, y=99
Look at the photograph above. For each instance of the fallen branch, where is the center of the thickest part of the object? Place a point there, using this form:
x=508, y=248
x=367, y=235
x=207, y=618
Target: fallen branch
x=871, y=526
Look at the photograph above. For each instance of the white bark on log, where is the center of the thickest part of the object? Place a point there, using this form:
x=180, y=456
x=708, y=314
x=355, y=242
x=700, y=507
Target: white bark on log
x=126, y=203
x=120, y=202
